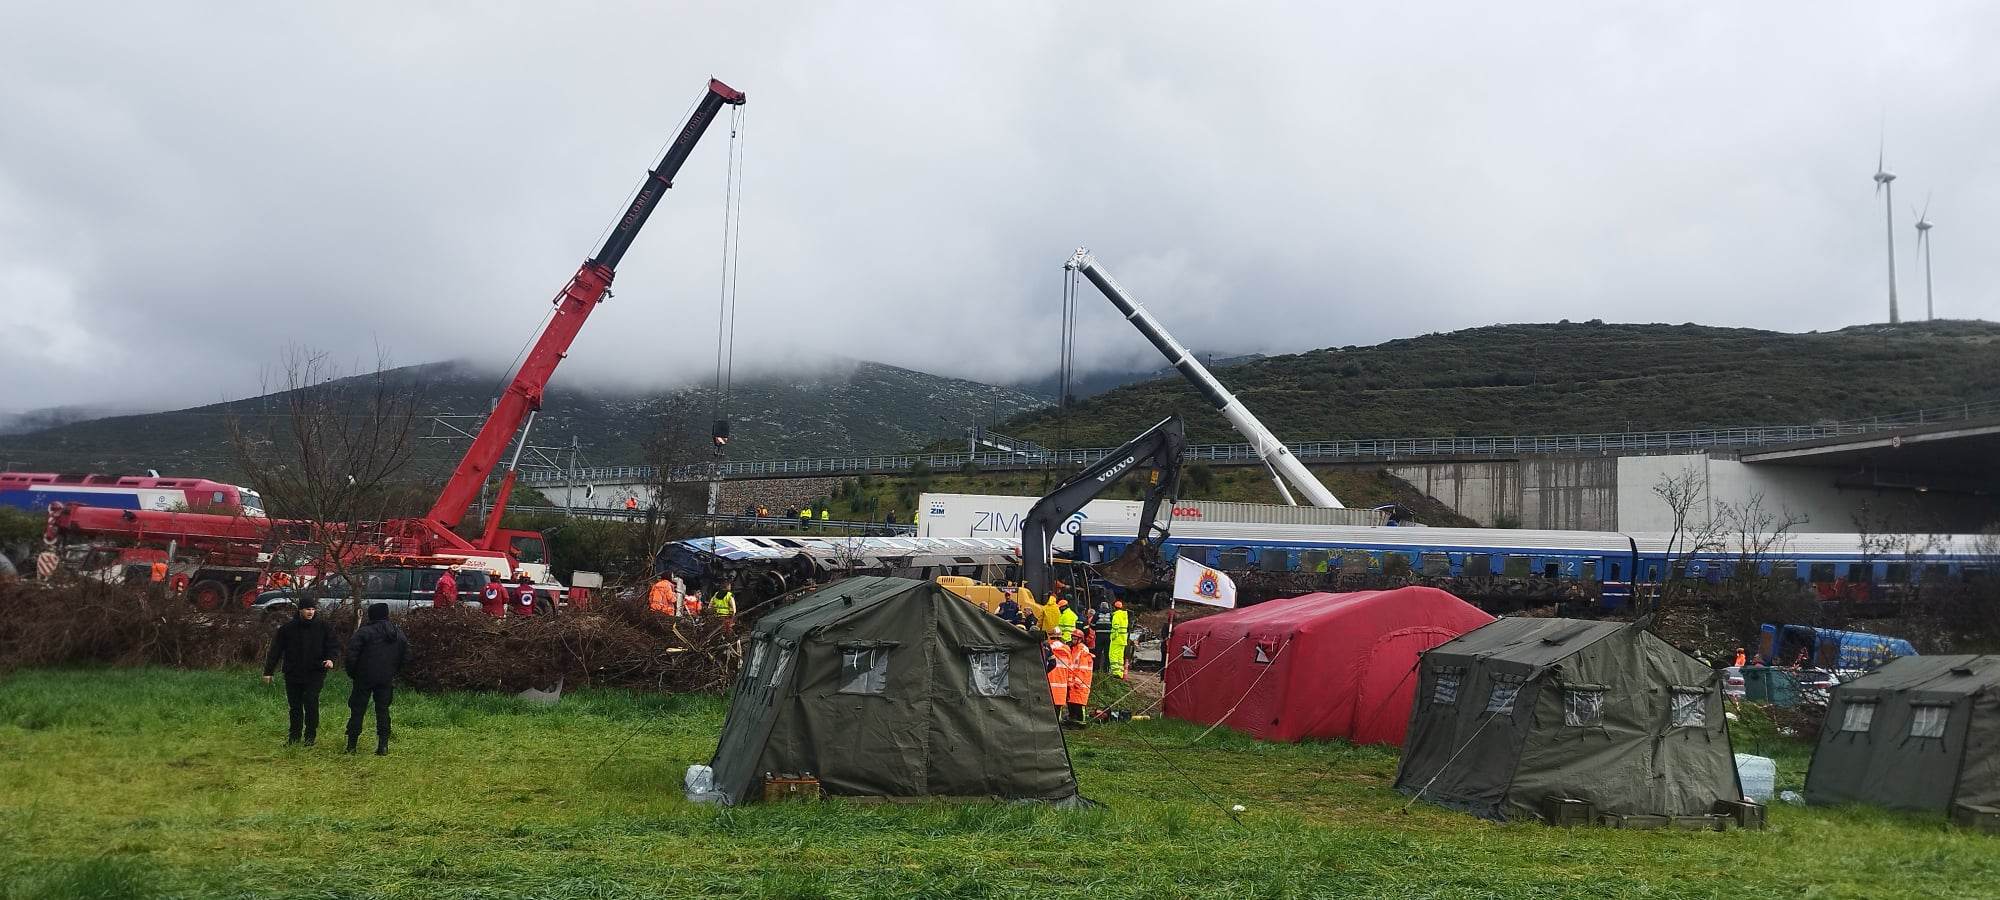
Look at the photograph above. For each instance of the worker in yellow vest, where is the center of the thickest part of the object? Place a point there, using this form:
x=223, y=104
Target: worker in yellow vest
x=805, y=515
x=1121, y=634
x=823, y=514
x=1066, y=620
x=724, y=602
x=1049, y=620
x=1081, y=663
x=1058, y=664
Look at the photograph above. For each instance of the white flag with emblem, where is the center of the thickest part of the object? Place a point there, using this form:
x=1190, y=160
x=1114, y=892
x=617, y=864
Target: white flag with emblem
x=1197, y=583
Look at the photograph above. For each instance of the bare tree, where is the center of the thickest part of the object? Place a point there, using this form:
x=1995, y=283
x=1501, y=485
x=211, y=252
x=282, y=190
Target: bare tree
x=1694, y=531
x=331, y=454
x=676, y=452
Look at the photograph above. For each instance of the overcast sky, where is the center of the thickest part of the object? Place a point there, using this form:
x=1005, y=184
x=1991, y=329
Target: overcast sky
x=183, y=193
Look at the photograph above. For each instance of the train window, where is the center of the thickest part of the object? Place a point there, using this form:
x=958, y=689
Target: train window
x=1860, y=573
x=1314, y=560
x=1192, y=553
x=1356, y=561
x=1551, y=570
x=1972, y=573
x=1822, y=573
x=1395, y=563
x=1436, y=564
x=1235, y=558
x=1613, y=571
x=1936, y=572
x=1273, y=560
x=1516, y=567
x=1477, y=564
x=1590, y=571
x=1785, y=572
x=1896, y=573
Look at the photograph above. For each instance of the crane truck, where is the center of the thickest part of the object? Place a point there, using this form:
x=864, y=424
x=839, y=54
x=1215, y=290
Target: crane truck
x=502, y=552
x=1277, y=458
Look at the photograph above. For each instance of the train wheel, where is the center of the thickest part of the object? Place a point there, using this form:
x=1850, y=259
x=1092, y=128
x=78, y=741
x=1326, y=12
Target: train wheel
x=208, y=596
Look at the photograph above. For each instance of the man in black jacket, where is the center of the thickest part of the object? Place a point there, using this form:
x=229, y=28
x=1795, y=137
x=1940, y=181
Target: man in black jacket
x=375, y=655
x=307, y=648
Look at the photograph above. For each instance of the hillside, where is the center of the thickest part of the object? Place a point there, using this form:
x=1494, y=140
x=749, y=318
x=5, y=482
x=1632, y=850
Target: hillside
x=1563, y=377
x=841, y=407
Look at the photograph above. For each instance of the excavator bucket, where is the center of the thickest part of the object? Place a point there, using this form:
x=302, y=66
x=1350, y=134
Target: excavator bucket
x=1136, y=568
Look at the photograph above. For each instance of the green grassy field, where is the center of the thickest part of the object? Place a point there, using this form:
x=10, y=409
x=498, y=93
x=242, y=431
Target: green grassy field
x=155, y=783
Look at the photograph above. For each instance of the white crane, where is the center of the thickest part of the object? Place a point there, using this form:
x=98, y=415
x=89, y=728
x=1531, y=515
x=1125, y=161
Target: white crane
x=1274, y=454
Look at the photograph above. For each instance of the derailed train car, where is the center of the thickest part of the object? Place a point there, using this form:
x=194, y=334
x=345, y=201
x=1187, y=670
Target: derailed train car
x=761, y=567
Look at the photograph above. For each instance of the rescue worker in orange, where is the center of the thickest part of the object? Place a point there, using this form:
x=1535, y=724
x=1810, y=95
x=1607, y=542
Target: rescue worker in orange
x=1057, y=661
x=691, y=604
x=1080, y=672
x=661, y=597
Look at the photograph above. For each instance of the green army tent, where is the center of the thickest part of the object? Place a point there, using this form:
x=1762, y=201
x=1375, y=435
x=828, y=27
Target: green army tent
x=1524, y=709
x=893, y=687
x=1922, y=732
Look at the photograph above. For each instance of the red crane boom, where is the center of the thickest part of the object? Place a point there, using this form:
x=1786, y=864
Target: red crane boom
x=585, y=290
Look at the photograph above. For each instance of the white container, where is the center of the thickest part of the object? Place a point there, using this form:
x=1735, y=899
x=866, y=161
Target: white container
x=1759, y=775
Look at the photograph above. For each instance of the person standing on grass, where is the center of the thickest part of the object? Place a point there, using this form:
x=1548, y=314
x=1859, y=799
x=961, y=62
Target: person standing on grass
x=375, y=656
x=306, y=647
x=1121, y=634
x=1080, y=673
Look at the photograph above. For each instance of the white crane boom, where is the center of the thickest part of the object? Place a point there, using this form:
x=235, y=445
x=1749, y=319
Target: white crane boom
x=1275, y=455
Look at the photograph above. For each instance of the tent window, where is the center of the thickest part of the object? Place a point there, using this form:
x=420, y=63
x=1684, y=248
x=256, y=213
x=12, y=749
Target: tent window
x=1444, y=687
x=778, y=670
x=989, y=673
x=1501, y=700
x=1857, y=716
x=864, y=670
x=1928, y=721
x=1690, y=707
x=1582, y=708
x=757, y=660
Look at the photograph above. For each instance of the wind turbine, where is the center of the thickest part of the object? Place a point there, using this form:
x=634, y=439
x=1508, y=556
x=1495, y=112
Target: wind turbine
x=1924, y=247
x=1883, y=185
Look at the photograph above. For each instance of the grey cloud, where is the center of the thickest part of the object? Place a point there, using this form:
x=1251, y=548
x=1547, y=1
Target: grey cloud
x=182, y=194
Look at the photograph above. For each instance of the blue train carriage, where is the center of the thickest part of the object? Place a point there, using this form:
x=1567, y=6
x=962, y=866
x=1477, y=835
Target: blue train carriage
x=1521, y=565
x=1850, y=570
x=1504, y=567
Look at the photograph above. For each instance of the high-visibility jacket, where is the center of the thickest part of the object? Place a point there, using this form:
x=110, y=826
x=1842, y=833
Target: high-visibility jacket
x=1050, y=619
x=823, y=515
x=1067, y=622
x=724, y=603
x=159, y=572
x=805, y=515
x=661, y=597
x=1080, y=663
x=691, y=604
x=1121, y=626
x=1059, y=674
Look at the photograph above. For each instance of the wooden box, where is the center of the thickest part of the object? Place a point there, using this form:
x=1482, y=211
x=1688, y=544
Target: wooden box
x=790, y=787
x=1978, y=818
x=1748, y=814
x=1699, y=823
x=1563, y=812
x=1641, y=822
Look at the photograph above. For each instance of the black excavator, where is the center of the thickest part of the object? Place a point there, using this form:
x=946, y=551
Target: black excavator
x=1159, y=451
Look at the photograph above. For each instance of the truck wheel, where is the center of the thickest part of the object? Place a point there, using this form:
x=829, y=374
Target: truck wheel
x=208, y=596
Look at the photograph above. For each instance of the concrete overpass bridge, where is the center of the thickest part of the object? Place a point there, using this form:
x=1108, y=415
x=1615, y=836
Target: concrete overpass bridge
x=1921, y=470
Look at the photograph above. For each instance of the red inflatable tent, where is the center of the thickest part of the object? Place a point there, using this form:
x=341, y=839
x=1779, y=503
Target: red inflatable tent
x=1317, y=666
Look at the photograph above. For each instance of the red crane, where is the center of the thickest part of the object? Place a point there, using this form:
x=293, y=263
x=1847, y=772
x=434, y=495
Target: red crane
x=432, y=535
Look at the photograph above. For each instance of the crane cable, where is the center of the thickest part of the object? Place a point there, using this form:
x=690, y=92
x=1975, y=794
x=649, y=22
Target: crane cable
x=725, y=304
